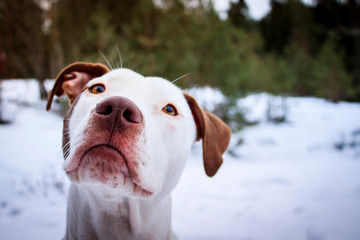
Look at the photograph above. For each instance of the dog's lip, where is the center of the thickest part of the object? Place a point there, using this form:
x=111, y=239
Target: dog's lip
x=72, y=167
x=138, y=187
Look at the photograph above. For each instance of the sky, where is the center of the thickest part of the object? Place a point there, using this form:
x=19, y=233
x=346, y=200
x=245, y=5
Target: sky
x=257, y=8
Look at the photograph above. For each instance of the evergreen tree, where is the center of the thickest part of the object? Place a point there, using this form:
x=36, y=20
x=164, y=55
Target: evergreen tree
x=331, y=79
x=81, y=29
x=22, y=42
x=341, y=19
x=238, y=14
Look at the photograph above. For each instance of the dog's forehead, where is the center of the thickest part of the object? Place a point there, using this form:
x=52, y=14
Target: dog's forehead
x=126, y=81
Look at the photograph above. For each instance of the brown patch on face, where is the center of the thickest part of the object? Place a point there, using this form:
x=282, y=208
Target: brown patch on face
x=75, y=76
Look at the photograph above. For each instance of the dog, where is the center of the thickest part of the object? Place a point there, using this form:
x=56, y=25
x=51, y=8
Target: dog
x=126, y=139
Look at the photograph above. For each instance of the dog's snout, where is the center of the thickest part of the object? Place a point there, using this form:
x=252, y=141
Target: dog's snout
x=122, y=109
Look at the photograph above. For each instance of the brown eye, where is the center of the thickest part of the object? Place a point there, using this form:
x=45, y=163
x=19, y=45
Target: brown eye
x=97, y=89
x=170, y=109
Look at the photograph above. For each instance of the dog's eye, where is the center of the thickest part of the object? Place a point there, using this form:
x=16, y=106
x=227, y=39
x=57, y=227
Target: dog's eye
x=170, y=109
x=97, y=89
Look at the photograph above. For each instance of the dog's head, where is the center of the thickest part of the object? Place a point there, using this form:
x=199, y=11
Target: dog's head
x=126, y=134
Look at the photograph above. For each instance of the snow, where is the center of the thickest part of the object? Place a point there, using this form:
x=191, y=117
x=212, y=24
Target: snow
x=295, y=180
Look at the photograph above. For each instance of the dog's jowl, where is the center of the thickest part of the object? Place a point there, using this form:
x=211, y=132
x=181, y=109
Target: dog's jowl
x=126, y=139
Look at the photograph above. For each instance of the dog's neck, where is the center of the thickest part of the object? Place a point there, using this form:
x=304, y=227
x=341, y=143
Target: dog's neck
x=129, y=218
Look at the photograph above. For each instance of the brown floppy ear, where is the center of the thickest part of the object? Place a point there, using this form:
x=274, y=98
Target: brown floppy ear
x=214, y=133
x=72, y=79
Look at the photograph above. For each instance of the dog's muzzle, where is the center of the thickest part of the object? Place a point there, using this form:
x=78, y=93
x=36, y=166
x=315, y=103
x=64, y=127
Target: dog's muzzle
x=109, y=152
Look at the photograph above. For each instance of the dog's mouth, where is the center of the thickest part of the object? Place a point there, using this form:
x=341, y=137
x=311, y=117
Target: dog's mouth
x=102, y=163
x=106, y=165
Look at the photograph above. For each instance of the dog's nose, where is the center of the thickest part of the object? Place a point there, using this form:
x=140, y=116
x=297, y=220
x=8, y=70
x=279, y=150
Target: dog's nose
x=119, y=109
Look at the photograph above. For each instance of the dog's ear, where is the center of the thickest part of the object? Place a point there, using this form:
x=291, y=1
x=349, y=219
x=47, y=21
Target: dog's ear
x=72, y=79
x=214, y=133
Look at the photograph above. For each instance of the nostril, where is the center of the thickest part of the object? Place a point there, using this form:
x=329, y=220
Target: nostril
x=119, y=109
x=132, y=116
x=127, y=114
x=104, y=109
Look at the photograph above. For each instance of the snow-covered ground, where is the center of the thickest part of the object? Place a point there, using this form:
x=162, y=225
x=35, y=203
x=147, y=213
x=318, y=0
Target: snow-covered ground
x=296, y=180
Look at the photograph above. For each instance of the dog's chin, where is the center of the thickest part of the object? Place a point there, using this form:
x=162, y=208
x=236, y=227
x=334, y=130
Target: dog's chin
x=103, y=164
x=105, y=169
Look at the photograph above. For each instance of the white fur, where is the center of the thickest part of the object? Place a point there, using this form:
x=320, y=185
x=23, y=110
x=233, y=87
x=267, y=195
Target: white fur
x=97, y=211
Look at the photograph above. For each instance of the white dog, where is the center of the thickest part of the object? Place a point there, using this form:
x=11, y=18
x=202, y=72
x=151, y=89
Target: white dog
x=126, y=139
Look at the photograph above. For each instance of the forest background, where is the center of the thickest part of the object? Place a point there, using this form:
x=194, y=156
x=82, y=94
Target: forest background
x=295, y=49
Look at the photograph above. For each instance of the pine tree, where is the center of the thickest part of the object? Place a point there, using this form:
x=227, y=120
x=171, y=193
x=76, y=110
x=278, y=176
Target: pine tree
x=238, y=14
x=22, y=42
x=331, y=79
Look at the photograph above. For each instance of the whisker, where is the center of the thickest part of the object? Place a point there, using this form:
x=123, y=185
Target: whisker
x=66, y=149
x=118, y=51
x=59, y=160
x=66, y=133
x=66, y=153
x=174, y=81
x=66, y=145
x=106, y=60
x=112, y=63
x=115, y=64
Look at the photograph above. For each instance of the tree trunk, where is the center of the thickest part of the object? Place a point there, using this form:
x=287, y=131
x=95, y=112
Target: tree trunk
x=43, y=92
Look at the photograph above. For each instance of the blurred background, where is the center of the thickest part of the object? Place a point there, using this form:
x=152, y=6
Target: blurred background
x=295, y=48
x=284, y=74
